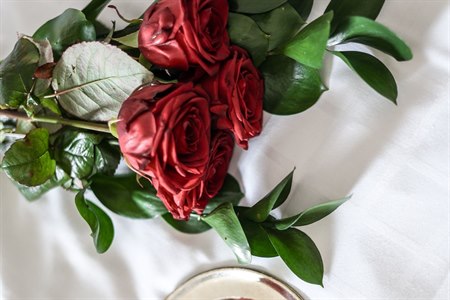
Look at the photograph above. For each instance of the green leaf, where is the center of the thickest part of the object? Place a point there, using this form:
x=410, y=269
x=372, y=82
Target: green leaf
x=130, y=40
x=254, y=7
x=281, y=24
x=107, y=157
x=82, y=154
x=123, y=195
x=96, y=91
x=261, y=210
x=290, y=87
x=245, y=33
x=258, y=239
x=32, y=193
x=303, y=7
x=311, y=215
x=50, y=104
x=372, y=71
x=100, y=223
x=28, y=161
x=346, y=8
x=224, y=220
x=16, y=74
x=299, y=253
x=193, y=226
x=230, y=192
x=94, y=8
x=368, y=32
x=309, y=45
x=65, y=30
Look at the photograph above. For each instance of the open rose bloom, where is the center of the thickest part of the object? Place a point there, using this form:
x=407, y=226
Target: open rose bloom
x=181, y=136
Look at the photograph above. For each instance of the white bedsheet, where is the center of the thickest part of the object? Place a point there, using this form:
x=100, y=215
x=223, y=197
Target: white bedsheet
x=391, y=241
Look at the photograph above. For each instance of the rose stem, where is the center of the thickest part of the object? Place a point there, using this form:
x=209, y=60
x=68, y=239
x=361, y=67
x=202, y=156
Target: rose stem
x=55, y=120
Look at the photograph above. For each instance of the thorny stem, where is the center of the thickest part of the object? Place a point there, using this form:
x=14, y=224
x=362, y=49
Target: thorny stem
x=55, y=120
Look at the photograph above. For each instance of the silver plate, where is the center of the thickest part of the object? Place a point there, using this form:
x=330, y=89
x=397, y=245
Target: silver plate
x=234, y=284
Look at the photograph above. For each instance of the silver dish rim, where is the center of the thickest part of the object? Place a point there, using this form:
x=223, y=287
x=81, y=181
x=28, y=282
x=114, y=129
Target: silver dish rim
x=207, y=274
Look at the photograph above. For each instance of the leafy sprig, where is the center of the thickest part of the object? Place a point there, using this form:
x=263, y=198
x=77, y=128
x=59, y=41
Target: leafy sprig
x=291, y=52
x=248, y=231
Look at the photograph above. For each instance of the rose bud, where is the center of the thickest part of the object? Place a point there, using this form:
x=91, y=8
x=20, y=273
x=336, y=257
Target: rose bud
x=176, y=34
x=164, y=135
x=237, y=92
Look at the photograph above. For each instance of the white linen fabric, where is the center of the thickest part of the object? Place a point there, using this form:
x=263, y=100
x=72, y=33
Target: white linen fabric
x=390, y=241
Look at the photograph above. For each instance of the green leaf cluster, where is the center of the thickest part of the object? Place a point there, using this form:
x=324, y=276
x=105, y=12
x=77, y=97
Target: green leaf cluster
x=270, y=237
x=290, y=53
x=50, y=156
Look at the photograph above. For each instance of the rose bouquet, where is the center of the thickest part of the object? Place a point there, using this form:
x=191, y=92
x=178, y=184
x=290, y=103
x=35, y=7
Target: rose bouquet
x=171, y=95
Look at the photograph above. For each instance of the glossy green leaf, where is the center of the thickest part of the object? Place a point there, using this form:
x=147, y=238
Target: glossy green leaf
x=290, y=87
x=261, y=210
x=368, y=32
x=194, y=226
x=28, y=161
x=303, y=7
x=82, y=154
x=95, y=92
x=309, y=45
x=65, y=30
x=346, y=8
x=224, y=220
x=94, y=8
x=107, y=157
x=258, y=239
x=16, y=74
x=311, y=215
x=130, y=40
x=123, y=195
x=230, y=192
x=50, y=104
x=245, y=33
x=100, y=223
x=254, y=7
x=32, y=193
x=372, y=71
x=280, y=24
x=299, y=253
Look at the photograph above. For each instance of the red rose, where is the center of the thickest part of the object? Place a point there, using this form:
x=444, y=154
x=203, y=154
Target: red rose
x=237, y=92
x=222, y=145
x=164, y=135
x=179, y=33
